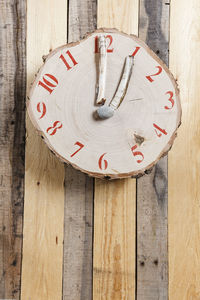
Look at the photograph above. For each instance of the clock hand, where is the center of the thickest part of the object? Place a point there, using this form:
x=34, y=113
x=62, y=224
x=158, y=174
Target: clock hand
x=137, y=99
x=102, y=70
x=105, y=112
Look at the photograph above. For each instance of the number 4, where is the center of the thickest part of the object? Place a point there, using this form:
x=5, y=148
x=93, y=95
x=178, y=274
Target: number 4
x=160, y=129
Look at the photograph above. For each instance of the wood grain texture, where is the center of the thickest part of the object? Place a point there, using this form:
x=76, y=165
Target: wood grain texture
x=114, y=204
x=117, y=14
x=152, y=255
x=184, y=163
x=12, y=138
x=77, y=264
x=114, y=240
x=78, y=219
x=44, y=180
x=111, y=140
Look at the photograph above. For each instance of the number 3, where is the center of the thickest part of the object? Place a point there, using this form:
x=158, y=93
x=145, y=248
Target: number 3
x=171, y=94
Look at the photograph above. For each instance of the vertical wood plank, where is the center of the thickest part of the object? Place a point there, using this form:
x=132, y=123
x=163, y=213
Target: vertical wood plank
x=44, y=176
x=78, y=232
x=114, y=206
x=152, y=255
x=184, y=163
x=12, y=138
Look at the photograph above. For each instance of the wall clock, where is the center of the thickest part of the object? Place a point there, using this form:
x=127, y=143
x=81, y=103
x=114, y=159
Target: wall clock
x=107, y=105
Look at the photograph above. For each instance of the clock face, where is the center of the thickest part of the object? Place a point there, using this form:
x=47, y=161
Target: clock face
x=62, y=106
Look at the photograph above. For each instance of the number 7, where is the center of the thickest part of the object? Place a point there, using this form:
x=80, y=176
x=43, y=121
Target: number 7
x=80, y=145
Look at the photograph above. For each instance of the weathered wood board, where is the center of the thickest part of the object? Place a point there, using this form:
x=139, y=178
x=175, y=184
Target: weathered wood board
x=12, y=139
x=114, y=202
x=129, y=262
x=152, y=252
x=78, y=218
x=44, y=181
x=184, y=163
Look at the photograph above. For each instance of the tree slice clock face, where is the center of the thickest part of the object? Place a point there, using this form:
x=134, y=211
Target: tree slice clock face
x=115, y=74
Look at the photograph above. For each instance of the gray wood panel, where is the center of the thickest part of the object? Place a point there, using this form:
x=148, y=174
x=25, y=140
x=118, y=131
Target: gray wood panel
x=152, y=193
x=78, y=220
x=12, y=140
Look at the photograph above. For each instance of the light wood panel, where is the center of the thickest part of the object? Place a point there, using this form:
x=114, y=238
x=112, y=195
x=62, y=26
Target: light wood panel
x=184, y=162
x=114, y=204
x=78, y=219
x=44, y=190
x=12, y=138
x=152, y=254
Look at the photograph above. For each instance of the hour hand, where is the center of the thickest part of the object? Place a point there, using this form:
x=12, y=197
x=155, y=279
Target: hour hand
x=102, y=70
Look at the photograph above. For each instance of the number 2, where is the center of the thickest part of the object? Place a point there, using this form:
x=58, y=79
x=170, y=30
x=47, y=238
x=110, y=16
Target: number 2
x=149, y=77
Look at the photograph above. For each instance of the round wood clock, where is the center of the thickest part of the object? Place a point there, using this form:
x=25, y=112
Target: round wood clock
x=107, y=105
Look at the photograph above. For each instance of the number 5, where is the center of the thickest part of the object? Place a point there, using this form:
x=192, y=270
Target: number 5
x=137, y=153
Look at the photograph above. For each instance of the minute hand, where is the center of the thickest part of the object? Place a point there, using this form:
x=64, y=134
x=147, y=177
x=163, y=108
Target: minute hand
x=105, y=112
x=123, y=85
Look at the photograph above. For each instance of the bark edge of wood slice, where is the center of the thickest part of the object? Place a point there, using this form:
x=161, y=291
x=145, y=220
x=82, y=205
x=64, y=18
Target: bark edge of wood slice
x=103, y=174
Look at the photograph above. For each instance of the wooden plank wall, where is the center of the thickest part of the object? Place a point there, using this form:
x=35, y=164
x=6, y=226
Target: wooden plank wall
x=184, y=159
x=44, y=180
x=12, y=139
x=152, y=255
x=105, y=256
x=114, y=201
x=78, y=220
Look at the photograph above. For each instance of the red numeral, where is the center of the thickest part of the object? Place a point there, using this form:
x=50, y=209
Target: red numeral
x=56, y=125
x=160, y=129
x=41, y=108
x=171, y=94
x=137, y=153
x=103, y=160
x=49, y=82
x=96, y=45
x=72, y=59
x=109, y=50
x=150, y=76
x=136, y=51
x=80, y=147
x=111, y=40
